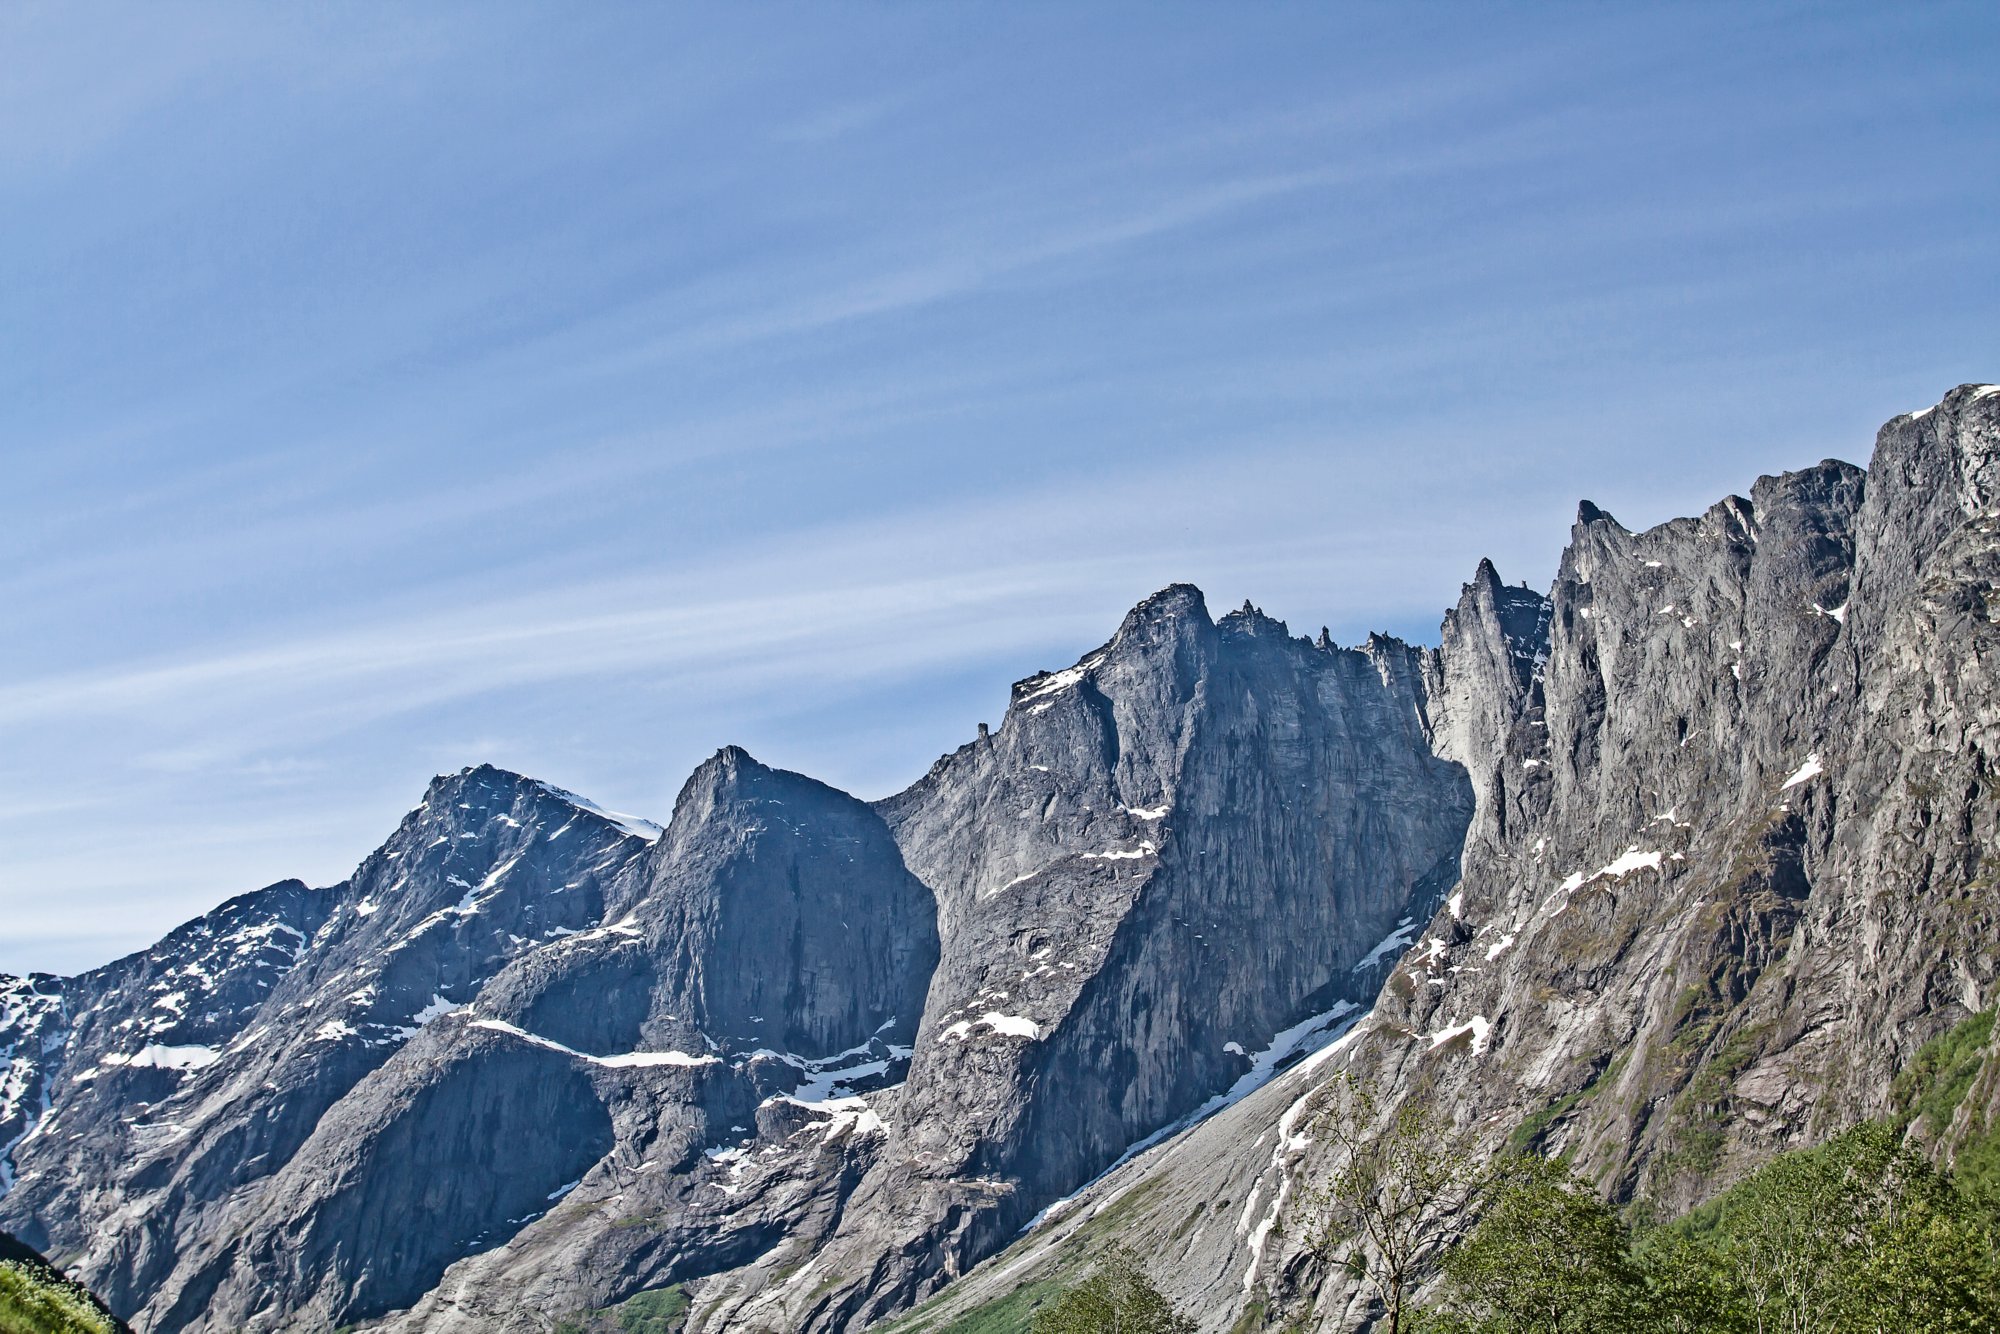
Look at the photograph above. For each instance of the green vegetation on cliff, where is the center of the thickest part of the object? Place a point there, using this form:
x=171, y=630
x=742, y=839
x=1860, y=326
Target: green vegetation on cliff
x=1859, y=1234
x=34, y=1301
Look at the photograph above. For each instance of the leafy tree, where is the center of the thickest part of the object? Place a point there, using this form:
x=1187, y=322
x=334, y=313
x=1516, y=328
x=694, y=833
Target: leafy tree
x=1788, y=1231
x=1689, y=1288
x=1931, y=1268
x=1548, y=1257
x=1861, y=1235
x=1117, y=1298
x=1394, y=1192
x=1928, y=1094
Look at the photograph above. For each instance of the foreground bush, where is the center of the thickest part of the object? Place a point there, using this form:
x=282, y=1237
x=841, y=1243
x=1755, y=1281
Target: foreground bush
x=1858, y=1236
x=1117, y=1298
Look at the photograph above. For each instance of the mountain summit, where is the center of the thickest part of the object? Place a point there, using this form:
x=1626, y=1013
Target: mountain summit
x=1670, y=868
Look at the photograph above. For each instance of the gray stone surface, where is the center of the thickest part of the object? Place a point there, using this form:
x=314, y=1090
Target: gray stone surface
x=770, y=943
x=1731, y=867
x=1674, y=866
x=194, y=1071
x=1166, y=855
x=1162, y=858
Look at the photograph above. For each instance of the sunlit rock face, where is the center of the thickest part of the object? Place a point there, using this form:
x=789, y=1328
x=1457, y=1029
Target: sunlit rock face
x=1730, y=864
x=1168, y=869
x=1667, y=869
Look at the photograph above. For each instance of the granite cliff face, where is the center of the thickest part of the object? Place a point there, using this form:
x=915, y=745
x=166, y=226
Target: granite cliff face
x=1731, y=866
x=1161, y=874
x=186, y=1075
x=770, y=939
x=1668, y=869
x=527, y=1062
x=1164, y=872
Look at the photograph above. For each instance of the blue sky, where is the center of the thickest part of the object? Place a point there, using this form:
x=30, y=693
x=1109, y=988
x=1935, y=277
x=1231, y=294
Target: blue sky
x=581, y=388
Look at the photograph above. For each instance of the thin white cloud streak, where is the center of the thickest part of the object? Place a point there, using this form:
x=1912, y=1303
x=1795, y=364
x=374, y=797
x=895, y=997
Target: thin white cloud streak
x=491, y=647
x=66, y=72
x=728, y=658
x=991, y=238
x=996, y=250
x=300, y=516
x=779, y=610
x=827, y=414
x=844, y=119
x=825, y=603
x=993, y=251
x=77, y=88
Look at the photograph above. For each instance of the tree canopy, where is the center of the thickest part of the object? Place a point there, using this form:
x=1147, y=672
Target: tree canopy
x=1116, y=1298
x=1861, y=1235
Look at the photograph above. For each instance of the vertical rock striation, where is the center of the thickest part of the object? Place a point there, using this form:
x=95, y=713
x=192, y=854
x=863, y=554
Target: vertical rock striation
x=1667, y=870
x=1167, y=867
x=1730, y=868
x=745, y=975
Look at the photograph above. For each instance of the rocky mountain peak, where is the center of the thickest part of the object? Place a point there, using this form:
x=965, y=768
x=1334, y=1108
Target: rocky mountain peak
x=1588, y=514
x=791, y=919
x=728, y=776
x=475, y=787
x=1731, y=869
x=1491, y=650
x=1665, y=870
x=1251, y=620
x=726, y=763
x=1174, y=602
x=1157, y=639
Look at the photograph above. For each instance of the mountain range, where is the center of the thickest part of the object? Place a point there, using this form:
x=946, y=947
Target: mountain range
x=1668, y=869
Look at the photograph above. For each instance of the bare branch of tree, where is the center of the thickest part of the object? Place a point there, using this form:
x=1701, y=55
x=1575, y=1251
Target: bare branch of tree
x=1395, y=1184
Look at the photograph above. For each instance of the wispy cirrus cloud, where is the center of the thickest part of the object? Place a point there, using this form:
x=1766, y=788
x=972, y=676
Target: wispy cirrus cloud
x=403, y=390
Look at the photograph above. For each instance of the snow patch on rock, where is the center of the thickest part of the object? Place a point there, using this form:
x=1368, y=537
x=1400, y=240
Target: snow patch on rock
x=157, y=1056
x=1477, y=1026
x=624, y=1059
x=1811, y=769
x=1393, y=943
